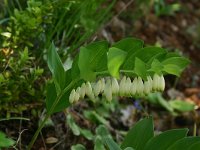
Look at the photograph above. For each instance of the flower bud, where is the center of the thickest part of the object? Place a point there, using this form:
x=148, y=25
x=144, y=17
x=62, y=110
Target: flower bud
x=147, y=87
x=82, y=90
x=140, y=86
x=88, y=90
x=155, y=86
x=128, y=86
x=102, y=85
x=162, y=83
x=150, y=82
x=76, y=97
x=122, y=86
x=72, y=96
x=97, y=88
x=108, y=90
x=115, y=86
x=133, y=87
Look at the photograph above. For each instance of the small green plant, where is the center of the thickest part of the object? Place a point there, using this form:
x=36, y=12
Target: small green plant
x=141, y=137
x=5, y=142
x=127, y=57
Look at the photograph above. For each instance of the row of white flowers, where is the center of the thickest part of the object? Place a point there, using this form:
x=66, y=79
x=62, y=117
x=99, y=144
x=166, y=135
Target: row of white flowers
x=124, y=87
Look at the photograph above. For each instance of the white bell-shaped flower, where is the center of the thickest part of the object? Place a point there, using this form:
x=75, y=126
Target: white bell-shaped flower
x=102, y=85
x=133, y=87
x=108, y=90
x=77, y=96
x=82, y=90
x=78, y=90
x=147, y=87
x=88, y=90
x=115, y=86
x=128, y=86
x=149, y=79
x=122, y=86
x=162, y=83
x=155, y=85
x=140, y=86
x=72, y=96
x=97, y=88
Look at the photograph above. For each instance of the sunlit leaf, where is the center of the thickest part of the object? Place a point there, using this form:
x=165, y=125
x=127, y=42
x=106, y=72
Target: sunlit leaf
x=116, y=58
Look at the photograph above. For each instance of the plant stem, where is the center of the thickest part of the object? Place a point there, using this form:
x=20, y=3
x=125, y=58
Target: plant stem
x=49, y=113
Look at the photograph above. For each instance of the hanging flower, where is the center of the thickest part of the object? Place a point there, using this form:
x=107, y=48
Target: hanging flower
x=111, y=86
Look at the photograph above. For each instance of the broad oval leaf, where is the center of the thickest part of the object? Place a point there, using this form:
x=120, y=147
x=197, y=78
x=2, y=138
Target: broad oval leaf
x=165, y=139
x=116, y=58
x=129, y=45
x=56, y=67
x=184, y=144
x=140, y=68
x=89, y=58
x=139, y=135
x=145, y=54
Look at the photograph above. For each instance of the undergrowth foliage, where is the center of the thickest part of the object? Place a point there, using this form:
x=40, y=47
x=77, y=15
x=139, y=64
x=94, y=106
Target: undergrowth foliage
x=141, y=68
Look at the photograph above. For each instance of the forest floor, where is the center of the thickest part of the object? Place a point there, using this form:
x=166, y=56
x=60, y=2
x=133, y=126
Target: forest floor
x=176, y=32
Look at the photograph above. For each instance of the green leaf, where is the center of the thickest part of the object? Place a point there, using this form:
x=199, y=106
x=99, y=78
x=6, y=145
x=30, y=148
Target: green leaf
x=89, y=59
x=56, y=67
x=181, y=62
x=172, y=69
x=145, y=54
x=165, y=139
x=98, y=145
x=86, y=133
x=111, y=144
x=156, y=67
x=140, y=68
x=116, y=58
x=175, y=65
x=78, y=130
x=73, y=126
x=139, y=135
x=95, y=117
x=75, y=72
x=5, y=142
x=184, y=144
x=129, y=45
x=106, y=138
x=195, y=146
x=164, y=103
x=181, y=105
x=78, y=147
x=51, y=97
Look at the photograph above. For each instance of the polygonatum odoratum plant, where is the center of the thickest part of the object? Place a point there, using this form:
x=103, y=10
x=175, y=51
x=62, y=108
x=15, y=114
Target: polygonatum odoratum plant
x=126, y=68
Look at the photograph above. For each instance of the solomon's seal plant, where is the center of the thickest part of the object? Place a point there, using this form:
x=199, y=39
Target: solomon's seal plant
x=126, y=68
